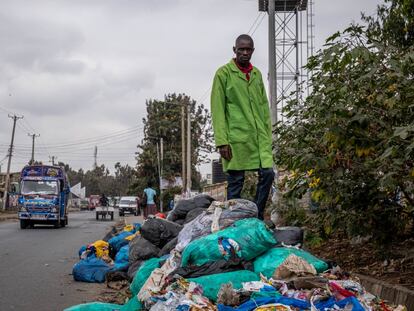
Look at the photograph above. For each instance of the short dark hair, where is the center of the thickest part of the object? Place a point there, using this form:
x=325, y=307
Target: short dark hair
x=149, y=184
x=244, y=37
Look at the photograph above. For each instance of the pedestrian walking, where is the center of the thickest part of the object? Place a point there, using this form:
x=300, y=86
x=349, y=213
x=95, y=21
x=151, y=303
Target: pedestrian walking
x=149, y=197
x=242, y=124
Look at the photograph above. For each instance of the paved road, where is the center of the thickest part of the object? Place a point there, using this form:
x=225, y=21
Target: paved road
x=36, y=264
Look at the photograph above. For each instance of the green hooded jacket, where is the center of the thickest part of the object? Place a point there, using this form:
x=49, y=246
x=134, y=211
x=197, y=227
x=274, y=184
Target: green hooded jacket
x=241, y=118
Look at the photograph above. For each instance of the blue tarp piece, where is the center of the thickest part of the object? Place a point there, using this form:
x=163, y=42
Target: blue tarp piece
x=331, y=302
x=82, y=249
x=91, y=270
x=254, y=303
x=118, y=241
x=137, y=226
x=121, y=259
x=300, y=304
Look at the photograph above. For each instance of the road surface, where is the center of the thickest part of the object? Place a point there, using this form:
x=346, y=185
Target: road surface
x=36, y=264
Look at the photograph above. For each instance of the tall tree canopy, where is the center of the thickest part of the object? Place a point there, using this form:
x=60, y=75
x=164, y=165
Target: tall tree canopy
x=164, y=120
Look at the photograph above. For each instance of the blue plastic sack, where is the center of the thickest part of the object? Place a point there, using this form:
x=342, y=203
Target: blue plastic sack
x=252, y=304
x=118, y=241
x=91, y=270
x=121, y=259
x=331, y=302
x=82, y=249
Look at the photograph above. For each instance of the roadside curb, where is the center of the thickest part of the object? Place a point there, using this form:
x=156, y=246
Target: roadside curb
x=392, y=293
x=4, y=217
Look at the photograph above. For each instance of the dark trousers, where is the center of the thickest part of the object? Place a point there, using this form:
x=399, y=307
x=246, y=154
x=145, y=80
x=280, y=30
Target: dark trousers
x=235, y=181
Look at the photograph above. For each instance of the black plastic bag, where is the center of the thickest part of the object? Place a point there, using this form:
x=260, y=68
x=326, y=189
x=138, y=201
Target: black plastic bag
x=133, y=268
x=168, y=247
x=141, y=249
x=184, y=206
x=288, y=235
x=180, y=221
x=220, y=266
x=159, y=231
x=193, y=214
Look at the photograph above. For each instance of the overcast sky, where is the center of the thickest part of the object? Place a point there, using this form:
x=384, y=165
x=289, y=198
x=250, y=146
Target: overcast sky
x=80, y=70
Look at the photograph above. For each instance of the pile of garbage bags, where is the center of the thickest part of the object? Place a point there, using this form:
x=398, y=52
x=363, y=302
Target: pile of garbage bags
x=222, y=258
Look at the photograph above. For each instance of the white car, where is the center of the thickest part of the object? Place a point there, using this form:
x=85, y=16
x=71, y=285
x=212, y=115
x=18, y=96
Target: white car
x=128, y=205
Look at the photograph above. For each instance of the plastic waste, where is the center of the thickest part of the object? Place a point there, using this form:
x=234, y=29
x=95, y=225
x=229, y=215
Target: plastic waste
x=211, y=284
x=121, y=259
x=168, y=247
x=288, y=235
x=143, y=273
x=132, y=304
x=184, y=206
x=193, y=214
x=118, y=241
x=141, y=249
x=91, y=270
x=159, y=231
x=251, y=235
x=269, y=261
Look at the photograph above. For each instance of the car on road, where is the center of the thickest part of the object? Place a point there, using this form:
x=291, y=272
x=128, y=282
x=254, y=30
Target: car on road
x=128, y=205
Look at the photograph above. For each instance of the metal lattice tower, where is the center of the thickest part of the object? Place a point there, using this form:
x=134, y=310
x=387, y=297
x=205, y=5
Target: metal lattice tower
x=294, y=43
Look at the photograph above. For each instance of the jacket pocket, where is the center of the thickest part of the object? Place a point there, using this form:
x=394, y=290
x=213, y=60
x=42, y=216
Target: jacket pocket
x=239, y=128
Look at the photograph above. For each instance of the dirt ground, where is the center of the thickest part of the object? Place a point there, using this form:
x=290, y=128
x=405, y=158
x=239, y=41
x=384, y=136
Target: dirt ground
x=394, y=265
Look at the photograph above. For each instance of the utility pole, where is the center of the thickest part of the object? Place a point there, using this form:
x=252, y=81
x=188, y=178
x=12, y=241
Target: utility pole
x=272, y=61
x=52, y=159
x=7, y=181
x=183, y=176
x=33, y=136
x=95, y=156
x=161, y=166
x=188, y=188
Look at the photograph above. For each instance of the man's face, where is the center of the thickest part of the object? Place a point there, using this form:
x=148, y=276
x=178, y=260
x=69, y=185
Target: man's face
x=243, y=50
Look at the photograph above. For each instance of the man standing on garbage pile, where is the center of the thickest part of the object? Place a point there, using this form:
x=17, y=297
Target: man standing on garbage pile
x=242, y=124
x=150, y=207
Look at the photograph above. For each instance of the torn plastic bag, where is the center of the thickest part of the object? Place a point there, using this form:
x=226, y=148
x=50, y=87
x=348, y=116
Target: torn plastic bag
x=222, y=214
x=95, y=306
x=91, y=270
x=168, y=247
x=172, y=301
x=184, y=206
x=193, y=214
x=272, y=259
x=332, y=304
x=220, y=266
x=251, y=235
x=288, y=235
x=211, y=284
x=158, y=278
x=119, y=240
x=160, y=231
x=141, y=249
x=292, y=267
x=236, y=209
x=143, y=273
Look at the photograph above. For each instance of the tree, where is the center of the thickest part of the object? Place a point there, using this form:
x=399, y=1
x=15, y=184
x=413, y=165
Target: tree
x=164, y=120
x=351, y=141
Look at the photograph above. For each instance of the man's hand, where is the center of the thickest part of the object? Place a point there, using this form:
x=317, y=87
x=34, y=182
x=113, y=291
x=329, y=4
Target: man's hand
x=225, y=152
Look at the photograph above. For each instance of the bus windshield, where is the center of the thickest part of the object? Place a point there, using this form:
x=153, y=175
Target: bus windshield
x=40, y=187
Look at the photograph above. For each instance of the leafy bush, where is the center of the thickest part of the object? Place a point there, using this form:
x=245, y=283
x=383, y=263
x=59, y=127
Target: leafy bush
x=351, y=142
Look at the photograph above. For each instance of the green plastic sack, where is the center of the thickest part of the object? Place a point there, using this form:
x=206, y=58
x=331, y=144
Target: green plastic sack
x=133, y=304
x=143, y=274
x=212, y=283
x=251, y=235
x=95, y=306
x=272, y=259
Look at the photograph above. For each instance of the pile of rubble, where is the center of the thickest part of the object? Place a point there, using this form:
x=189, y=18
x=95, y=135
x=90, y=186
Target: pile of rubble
x=210, y=255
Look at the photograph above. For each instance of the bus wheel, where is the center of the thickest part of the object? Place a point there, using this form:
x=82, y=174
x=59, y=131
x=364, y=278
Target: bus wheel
x=112, y=215
x=24, y=223
x=62, y=223
x=57, y=224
